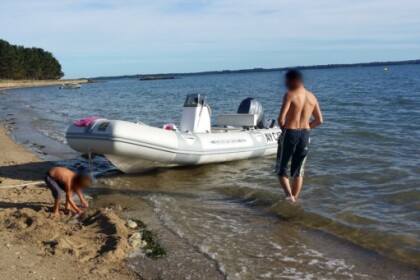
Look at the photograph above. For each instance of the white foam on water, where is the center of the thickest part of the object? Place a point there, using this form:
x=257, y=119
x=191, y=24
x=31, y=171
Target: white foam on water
x=290, y=259
x=313, y=262
x=266, y=275
x=213, y=256
x=216, y=216
x=53, y=135
x=275, y=245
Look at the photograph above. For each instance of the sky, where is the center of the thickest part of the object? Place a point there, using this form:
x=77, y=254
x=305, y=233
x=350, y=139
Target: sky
x=117, y=37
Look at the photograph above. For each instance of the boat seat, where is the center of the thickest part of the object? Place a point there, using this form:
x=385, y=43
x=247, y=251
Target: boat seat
x=237, y=120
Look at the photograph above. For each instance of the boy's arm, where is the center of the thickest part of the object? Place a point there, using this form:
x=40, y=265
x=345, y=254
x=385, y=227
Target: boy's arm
x=318, y=120
x=69, y=198
x=82, y=199
x=283, y=112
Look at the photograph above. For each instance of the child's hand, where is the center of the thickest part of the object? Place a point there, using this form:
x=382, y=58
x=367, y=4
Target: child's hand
x=80, y=213
x=85, y=204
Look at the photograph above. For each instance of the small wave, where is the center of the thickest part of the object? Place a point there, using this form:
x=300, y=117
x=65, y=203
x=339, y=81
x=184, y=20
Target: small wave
x=366, y=134
x=54, y=135
x=400, y=100
x=356, y=232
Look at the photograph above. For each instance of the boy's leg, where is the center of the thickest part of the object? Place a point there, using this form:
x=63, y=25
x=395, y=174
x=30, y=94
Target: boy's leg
x=298, y=163
x=279, y=149
x=69, y=208
x=297, y=186
x=286, y=151
x=56, y=212
x=68, y=205
x=284, y=182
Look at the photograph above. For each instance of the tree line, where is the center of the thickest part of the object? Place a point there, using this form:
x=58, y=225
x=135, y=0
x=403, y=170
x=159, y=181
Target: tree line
x=20, y=63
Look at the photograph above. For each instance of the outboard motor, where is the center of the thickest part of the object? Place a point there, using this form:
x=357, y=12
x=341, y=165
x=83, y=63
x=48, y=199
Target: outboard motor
x=252, y=106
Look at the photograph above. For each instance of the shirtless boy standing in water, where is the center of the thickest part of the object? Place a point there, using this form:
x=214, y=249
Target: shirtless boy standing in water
x=299, y=105
x=61, y=181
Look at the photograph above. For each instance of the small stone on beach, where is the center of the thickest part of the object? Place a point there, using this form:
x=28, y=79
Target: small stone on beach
x=135, y=243
x=135, y=240
x=131, y=224
x=136, y=235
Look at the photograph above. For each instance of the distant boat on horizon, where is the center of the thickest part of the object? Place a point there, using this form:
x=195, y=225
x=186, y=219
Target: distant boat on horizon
x=154, y=78
x=70, y=86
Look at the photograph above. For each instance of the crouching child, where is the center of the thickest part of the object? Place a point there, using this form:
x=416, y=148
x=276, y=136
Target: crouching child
x=62, y=181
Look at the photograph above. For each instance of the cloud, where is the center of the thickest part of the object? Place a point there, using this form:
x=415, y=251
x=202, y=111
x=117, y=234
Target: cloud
x=217, y=34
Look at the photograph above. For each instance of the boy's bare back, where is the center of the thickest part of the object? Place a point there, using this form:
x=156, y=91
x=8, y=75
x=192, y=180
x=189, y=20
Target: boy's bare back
x=302, y=105
x=62, y=175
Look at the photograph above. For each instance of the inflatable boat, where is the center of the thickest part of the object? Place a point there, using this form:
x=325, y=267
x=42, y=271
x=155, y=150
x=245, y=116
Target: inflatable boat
x=137, y=147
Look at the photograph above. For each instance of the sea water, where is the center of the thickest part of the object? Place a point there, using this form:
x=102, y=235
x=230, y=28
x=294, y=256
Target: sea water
x=358, y=216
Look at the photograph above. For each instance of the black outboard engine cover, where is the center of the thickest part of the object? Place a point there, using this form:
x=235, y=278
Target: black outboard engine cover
x=252, y=106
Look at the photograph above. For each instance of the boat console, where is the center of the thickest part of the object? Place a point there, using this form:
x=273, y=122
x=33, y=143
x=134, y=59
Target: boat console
x=195, y=114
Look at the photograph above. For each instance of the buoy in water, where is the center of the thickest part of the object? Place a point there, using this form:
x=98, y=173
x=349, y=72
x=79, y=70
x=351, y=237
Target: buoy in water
x=385, y=69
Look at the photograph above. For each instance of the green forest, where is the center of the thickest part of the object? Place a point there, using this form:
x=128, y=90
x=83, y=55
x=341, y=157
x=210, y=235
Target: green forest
x=20, y=63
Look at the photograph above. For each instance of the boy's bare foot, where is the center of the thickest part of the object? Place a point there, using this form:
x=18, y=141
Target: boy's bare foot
x=70, y=211
x=290, y=199
x=55, y=216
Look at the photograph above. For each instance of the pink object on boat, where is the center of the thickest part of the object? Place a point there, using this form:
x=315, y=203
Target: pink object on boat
x=86, y=122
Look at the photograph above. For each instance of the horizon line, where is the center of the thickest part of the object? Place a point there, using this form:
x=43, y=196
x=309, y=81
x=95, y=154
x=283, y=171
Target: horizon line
x=261, y=69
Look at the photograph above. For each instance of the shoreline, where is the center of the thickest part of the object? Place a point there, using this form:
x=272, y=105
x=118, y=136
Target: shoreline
x=96, y=247
x=36, y=246
x=11, y=84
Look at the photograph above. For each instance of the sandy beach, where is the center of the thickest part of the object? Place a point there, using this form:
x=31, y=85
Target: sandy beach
x=10, y=84
x=36, y=247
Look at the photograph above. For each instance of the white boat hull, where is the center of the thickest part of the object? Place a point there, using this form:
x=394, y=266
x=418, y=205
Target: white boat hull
x=135, y=147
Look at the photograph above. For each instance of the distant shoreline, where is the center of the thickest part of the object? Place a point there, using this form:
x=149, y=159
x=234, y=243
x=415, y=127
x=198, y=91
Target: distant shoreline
x=255, y=70
x=13, y=84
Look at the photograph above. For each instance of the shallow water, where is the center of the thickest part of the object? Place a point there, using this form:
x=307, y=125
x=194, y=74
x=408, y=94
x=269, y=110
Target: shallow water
x=361, y=182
